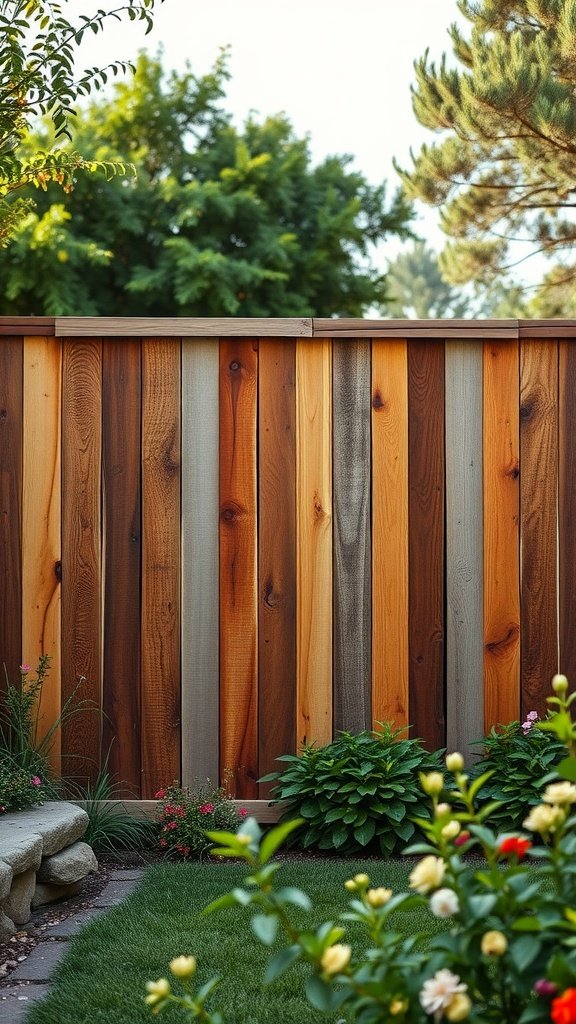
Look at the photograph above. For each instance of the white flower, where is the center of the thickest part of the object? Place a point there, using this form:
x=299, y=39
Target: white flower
x=444, y=903
x=437, y=993
x=427, y=874
x=544, y=818
x=560, y=793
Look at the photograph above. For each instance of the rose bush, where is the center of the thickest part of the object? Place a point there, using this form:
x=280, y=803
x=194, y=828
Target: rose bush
x=184, y=818
x=509, y=955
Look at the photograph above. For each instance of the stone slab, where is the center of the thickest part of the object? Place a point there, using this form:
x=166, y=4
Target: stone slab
x=68, y=865
x=17, y=903
x=115, y=891
x=5, y=879
x=127, y=874
x=41, y=962
x=20, y=850
x=16, y=1000
x=58, y=822
x=72, y=925
x=45, y=893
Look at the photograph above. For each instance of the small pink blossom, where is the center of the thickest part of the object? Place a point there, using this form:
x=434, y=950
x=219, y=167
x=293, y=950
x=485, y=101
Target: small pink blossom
x=532, y=716
x=25, y=669
x=36, y=781
x=179, y=812
x=162, y=842
x=543, y=987
x=242, y=812
x=206, y=808
x=160, y=794
x=2, y=809
x=170, y=825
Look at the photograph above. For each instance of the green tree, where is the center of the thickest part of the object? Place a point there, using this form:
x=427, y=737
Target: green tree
x=504, y=168
x=38, y=48
x=416, y=288
x=218, y=220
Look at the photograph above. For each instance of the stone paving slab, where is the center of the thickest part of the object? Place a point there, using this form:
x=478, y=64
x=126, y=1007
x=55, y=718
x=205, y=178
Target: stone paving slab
x=115, y=891
x=72, y=925
x=41, y=962
x=128, y=875
x=16, y=1000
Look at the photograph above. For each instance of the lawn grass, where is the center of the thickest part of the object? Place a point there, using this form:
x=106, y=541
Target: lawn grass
x=103, y=975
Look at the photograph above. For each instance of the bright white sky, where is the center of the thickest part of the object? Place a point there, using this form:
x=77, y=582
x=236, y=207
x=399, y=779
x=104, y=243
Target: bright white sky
x=340, y=69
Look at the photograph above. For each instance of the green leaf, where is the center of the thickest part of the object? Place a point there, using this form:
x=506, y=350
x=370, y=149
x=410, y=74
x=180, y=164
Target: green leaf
x=265, y=927
x=276, y=836
x=480, y=906
x=321, y=995
x=228, y=900
x=524, y=951
x=291, y=895
x=280, y=963
x=567, y=769
x=365, y=832
x=527, y=924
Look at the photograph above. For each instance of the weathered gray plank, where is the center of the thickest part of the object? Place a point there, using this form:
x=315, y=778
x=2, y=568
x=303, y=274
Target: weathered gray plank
x=352, y=546
x=200, y=716
x=464, y=684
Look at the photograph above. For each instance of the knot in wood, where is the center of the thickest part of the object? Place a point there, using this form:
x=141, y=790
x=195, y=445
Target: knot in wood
x=229, y=513
x=378, y=402
x=234, y=366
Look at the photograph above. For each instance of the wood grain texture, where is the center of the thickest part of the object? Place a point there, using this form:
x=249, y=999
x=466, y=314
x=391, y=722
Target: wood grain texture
x=238, y=568
x=185, y=327
x=392, y=329
x=464, y=546
x=41, y=527
x=314, y=541
x=81, y=555
x=567, y=507
x=426, y=541
x=160, y=638
x=539, y=488
x=352, y=539
x=121, y=504
x=276, y=554
x=501, y=533
x=390, y=532
x=200, y=576
x=10, y=509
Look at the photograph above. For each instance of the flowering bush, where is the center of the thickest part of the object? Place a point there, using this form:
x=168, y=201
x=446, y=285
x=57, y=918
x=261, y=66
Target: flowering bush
x=184, y=818
x=509, y=955
x=18, y=788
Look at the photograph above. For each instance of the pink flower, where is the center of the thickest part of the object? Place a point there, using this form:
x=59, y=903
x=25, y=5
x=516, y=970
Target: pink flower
x=184, y=850
x=242, y=812
x=162, y=842
x=160, y=794
x=179, y=812
x=25, y=669
x=2, y=809
x=543, y=987
x=36, y=781
x=170, y=825
x=461, y=839
x=532, y=716
x=206, y=808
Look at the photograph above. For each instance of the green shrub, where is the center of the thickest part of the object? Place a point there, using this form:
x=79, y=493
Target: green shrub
x=184, y=818
x=110, y=826
x=521, y=758
x=19, y=788
x=358, y=793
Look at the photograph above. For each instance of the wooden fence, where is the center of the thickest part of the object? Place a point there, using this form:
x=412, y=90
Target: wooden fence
x=246, y=534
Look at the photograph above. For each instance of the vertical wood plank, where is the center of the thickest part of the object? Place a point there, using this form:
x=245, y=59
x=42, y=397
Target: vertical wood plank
x=426, y=541
x=41, y=528
x=501, y=533
x=567, y=507
x=277, y=553
x=314, y=541
x=10, y=508
x=160, y=689
x=352, y=541
x=81, y=554
x=464, y=546
x=121, y=499
x=390, y=532
x=238, y=569
x=200, y=641
x=538, y=482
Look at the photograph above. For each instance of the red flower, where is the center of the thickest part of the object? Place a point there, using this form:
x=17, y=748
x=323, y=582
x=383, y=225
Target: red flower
x=179, y=812
x=160, y=794
x=461, y=839
x=162, y=842
x=563, y=1009
x=206, y=808
x=515, y=845
x=242, y=812
x=169, y=825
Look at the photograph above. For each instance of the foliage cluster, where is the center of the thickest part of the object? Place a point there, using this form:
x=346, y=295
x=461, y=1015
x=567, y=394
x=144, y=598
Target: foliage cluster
x=509, y=954
x=358, y=793
x=185, y=817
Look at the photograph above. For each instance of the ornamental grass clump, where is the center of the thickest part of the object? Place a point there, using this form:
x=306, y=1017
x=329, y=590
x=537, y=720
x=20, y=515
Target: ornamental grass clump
x=358, y=794
x=184, y=818
x=509, y=954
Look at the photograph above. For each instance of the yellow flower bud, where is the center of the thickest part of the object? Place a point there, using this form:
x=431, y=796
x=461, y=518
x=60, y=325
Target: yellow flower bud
x=244, y=840
x=559, y=684
x=454, y=762
x=432, y=783
x=183, y=966
x=397, y=1006
x=459, y=1007
x=451, y=830
x=494, y=943
x=427, y=874
x=378, y=897
x=157, y=990
x=336, y=958
x=442, y=809
x=350, y=884
x=361, y=880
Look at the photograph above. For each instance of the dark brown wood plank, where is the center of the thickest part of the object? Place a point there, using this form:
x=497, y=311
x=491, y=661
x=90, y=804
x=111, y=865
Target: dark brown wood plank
x=426, y=541
x=81, y=556
x=121, y=425
x=538, y=511
x=352, y=535
x=10, y=508
x=567, y=507
x=277, y=554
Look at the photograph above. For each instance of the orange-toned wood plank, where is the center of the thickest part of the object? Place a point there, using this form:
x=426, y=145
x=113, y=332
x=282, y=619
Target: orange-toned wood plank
x=501, y=533
x=41, y=530
x=390, y=532
x=10, y=509
x=314, y=541
x=160, y=651
x=539, y=488
x=238, y=568
x=567, y=507
x=81, y=554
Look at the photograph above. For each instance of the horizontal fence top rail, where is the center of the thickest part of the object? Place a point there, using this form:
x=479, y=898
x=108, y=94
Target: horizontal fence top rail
x=283, y=327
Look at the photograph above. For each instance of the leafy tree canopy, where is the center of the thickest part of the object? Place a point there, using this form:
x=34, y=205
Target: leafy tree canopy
x=218, y=220
x=504, y=167
x=38, y=75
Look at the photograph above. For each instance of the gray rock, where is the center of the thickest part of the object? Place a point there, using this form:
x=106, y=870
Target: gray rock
x=5, y=879
x=20, y=850
x=7, y=927
x=59, y=824
x=17, y=903
x=70, y=865
x=47, y=893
